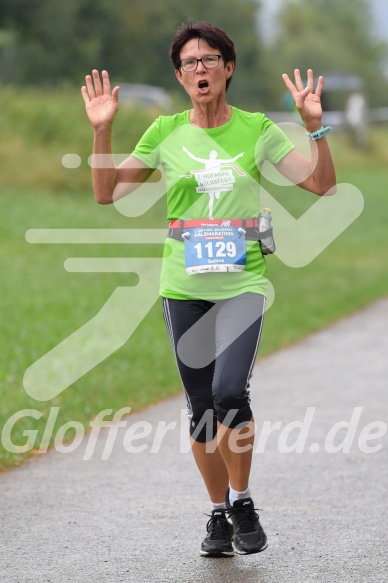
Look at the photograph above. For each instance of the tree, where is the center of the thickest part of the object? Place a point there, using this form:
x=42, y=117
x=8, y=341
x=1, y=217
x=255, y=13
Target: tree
x=331, y=36
x=51, y=41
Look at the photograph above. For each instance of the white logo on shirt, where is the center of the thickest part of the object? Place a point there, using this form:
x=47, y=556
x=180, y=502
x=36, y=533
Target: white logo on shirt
x=216, y=177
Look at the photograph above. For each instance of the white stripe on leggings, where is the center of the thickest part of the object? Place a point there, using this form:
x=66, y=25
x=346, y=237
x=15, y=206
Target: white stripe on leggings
x=257, y=344
x=167, y=317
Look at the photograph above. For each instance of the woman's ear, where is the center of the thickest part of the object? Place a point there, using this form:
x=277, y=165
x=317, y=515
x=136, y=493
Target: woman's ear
x=229, y=68
x=178, y=75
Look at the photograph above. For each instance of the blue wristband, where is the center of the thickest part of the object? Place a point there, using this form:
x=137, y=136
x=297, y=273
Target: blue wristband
x=319, y=133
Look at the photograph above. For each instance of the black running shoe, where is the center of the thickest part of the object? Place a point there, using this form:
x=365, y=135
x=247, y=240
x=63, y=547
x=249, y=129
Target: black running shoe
x=218, y=542
x=249, y=537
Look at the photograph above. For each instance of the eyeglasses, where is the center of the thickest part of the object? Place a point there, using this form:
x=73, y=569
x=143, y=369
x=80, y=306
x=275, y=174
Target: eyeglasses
x=208, y=61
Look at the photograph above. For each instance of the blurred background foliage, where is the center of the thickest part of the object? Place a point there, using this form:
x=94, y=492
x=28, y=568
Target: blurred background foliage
x=333, y=36
x=51, y=42
x=47, y=47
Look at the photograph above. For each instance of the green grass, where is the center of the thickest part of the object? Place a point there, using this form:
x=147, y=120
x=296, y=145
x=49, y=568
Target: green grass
x=42, y=304
x=39, y=128
x=346, y=276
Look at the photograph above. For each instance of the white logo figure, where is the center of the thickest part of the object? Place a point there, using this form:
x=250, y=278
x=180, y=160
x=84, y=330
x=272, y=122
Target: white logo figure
x=215, y=178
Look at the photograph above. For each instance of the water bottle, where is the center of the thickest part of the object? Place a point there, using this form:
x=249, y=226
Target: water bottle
x=267, y=244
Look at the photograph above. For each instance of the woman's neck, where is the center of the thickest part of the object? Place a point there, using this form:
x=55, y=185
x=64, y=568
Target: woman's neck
x=210, y=115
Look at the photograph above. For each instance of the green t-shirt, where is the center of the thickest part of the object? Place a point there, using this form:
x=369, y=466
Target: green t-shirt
x=212, y=173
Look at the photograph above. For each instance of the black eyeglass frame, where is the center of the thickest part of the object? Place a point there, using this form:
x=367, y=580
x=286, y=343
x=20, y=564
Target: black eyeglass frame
x=200, y=60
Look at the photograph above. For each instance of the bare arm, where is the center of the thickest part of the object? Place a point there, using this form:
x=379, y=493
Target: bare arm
x=109, y=182
x=316, y=175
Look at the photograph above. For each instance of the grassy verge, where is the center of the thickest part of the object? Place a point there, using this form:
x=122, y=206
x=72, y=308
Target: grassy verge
x=346, y=276
x=42, y=304
x=39, y=128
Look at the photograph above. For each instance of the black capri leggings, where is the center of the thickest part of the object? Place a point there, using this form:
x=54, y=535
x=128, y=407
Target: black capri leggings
x=215, y=345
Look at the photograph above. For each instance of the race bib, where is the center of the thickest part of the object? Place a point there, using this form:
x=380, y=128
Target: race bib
x=214, y=248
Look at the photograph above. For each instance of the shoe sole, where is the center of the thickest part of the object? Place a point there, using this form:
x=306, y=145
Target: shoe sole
x=239, y=552
x=217, y=554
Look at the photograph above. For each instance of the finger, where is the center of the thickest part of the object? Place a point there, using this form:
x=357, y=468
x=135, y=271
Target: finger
x=90, y=87
x=85, y=95
x=319, y=88
x=289, y=84
x=298, y=80
x=97, y=82
x=310, y=80
x=105, y=82
x=115, y=94
x=301, y=97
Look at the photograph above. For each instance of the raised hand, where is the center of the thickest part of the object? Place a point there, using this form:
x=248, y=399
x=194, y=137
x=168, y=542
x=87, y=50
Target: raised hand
x=307, y=102
x=101, y=104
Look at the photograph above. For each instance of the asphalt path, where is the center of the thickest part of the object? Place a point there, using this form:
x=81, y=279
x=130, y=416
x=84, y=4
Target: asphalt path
x=320, y=474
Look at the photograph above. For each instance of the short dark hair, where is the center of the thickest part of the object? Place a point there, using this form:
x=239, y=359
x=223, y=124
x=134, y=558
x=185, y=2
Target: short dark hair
x=214, y=36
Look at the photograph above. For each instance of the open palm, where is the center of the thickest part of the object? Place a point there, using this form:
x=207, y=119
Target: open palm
x=101, y=104
x=307, y=102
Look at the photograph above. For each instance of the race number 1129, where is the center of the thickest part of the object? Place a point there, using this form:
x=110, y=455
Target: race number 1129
x=216, y=249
